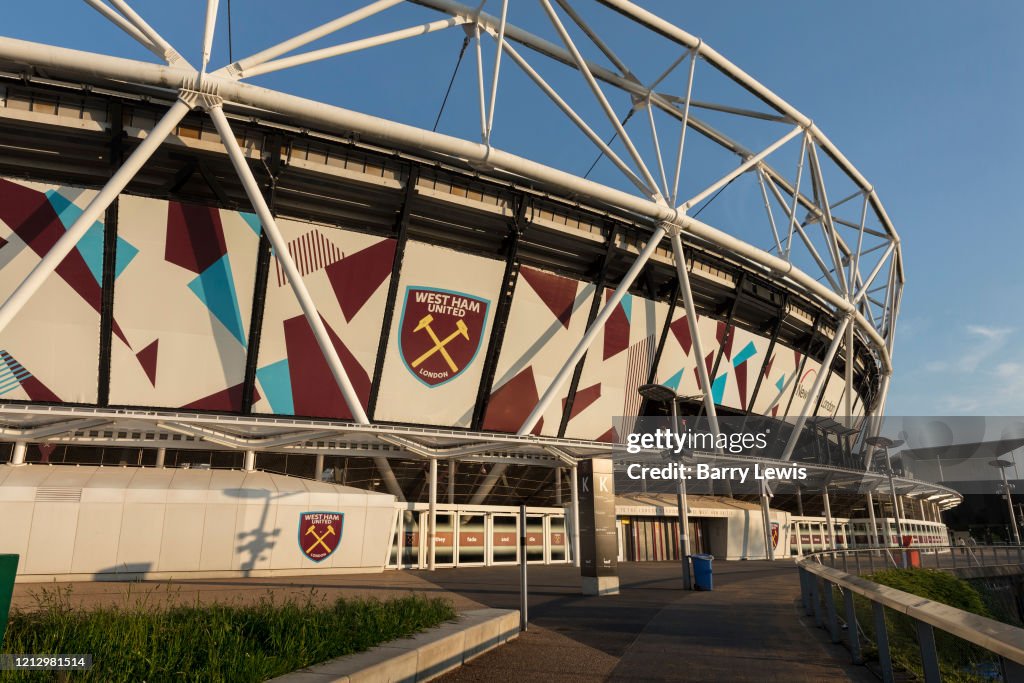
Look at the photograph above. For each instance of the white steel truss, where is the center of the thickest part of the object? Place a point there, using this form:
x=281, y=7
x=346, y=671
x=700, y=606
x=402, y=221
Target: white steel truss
x=835, y=279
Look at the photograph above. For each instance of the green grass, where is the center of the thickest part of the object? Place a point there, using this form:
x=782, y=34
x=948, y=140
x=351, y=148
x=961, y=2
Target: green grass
x=958, y=659
x=218, y=642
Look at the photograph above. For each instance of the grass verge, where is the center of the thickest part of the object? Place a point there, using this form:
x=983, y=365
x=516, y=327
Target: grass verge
x=219, y=642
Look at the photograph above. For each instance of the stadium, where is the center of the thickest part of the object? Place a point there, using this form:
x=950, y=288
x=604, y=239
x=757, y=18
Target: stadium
x=226, y=306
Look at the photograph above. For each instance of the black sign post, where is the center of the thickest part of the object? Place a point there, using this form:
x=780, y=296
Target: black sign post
x=599, y=541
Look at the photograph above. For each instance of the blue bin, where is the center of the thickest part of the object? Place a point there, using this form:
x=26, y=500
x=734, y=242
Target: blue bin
x=702, y=572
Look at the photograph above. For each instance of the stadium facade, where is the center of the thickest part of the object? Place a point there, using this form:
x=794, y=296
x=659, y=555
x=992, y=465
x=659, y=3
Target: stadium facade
x=200, y=274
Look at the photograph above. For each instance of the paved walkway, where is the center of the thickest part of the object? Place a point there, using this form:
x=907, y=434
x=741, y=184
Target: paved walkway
x=748, y=629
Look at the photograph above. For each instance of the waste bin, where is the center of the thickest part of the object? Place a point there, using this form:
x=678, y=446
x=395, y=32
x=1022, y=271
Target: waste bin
x=8, y=568
x=702, y=572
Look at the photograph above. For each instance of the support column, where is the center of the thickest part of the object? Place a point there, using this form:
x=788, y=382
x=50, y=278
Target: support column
x=161, y=457
x=799, y=501
x=432, y=524
x=830, y=532
x=920, y=507
x=899, y=506
x=319, y=473
x=816, y=389
x=575, y=490
x=558, y=486
x=769, y=551
x=316, y=324
x=873, y=533
x=18, y=453
x=249, y=461
x=452, y=467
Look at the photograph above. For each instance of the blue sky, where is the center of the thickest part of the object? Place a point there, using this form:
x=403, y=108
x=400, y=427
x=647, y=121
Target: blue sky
x=924, y=98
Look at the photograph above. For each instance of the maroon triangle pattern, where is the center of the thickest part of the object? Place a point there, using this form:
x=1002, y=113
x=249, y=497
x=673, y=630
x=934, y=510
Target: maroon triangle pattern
x=225, y=401
x=616, y=330
x=681, y=329
x=314, y=391
x=558, y=293
x=147, y=359
x=511, y=404
x=741, y=383
x=195, y=236
x=583, y=400
x=358, y=276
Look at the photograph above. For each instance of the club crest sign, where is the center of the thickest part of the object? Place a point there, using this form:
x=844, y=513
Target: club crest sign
x=320, y=533
x=440, y=333
x=775, y=534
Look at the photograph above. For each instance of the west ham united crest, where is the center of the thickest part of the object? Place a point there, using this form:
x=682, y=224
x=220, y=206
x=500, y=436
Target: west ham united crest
x=440, y=332
x=320, y=533
x=775, y=534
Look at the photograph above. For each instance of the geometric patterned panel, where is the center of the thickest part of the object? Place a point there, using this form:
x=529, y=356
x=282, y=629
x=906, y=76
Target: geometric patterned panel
x=50, y=350
x=183, y=299
x=778, y=382
x=547, y=319
x=617, y=364
x=347, y=275
x=677, y=367
x=439, y=337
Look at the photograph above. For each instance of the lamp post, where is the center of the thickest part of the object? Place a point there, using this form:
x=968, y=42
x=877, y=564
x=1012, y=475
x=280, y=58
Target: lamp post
x=1002, y=465
x=661, y=394
x=885, y=443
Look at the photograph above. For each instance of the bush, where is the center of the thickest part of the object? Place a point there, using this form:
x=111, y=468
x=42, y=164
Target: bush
x=218, y=642
x=958, y=659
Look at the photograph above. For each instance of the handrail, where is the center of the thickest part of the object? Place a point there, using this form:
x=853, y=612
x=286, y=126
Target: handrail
x=945, y=557
x=817, y=581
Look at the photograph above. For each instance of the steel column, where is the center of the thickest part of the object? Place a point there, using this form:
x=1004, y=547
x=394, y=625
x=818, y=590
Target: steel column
x=769, y=551
x=574, y=488
x=873, y=533
x=249, y=461
x=18, y=453
x=830, y=532
x=882, y=642
x=318, y=474
x=309, y=309
x=161, y=457
x=432, y=524
x=452, y=466
x=816, y=389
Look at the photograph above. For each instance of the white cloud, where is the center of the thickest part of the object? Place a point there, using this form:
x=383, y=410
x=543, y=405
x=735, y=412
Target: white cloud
x=994, y=333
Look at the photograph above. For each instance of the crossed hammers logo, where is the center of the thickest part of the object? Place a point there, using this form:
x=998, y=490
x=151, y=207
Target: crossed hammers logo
x=439, y=344
x=319, y=538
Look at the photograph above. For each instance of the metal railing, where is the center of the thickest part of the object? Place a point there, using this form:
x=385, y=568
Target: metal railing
x=859, y=560
x=818, y=579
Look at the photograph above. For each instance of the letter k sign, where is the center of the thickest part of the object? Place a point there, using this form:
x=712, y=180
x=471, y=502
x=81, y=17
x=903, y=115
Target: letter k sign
x=586, y=484
x=603, y=484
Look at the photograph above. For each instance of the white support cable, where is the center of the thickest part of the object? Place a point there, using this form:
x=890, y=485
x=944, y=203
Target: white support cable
x=796, y=198
x=171, y=56
x=242, y=65
x=596, y=39
x=828, y=228
x=874, y=273
x=739, y=170
x=305, y=301
x=768, y=208
x=816, y=389
x=210, y=26
x=595, y=327
x=584, y=69
x=93, y=212
x=497, y=70
x=126, y=26
x=350, y=47
x=803, y=235
x=683, y=278
x=576, y=118
x=683, y=125
x=478, y=48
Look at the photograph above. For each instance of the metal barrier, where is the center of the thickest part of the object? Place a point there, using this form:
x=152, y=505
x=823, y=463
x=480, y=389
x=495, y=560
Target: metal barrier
x=857, y=560
x=817, y=581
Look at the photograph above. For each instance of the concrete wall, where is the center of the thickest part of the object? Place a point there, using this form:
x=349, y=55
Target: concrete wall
x=107, y=522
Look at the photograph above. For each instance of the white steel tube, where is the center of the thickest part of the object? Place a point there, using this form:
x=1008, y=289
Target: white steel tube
x=830, y=537
x=766, y=522
x=18, y=453
x=34, y=280
x=280, y=247
x=161, y=457
x=348, y=48
x=874, y=273
x=683, y=124
x=452, y=465
x=318, y=471
x=574, y=488
x=318, y=114
x=313, y=34
x=816, y=388
x=739, y=170
x=126, y=26
x=497, y=71
x=249, y=461
x=211, y=24
x=873, y=534
x=171, y=55
x=432, y=538
x=691, y=321
x=595, y=327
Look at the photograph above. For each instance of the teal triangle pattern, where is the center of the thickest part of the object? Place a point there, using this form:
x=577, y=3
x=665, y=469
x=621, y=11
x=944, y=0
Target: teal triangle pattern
x=216, y=289
x=718, y=388
x=627, y=306
x=276, y=382
x=744, y=355
x=674, y=381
